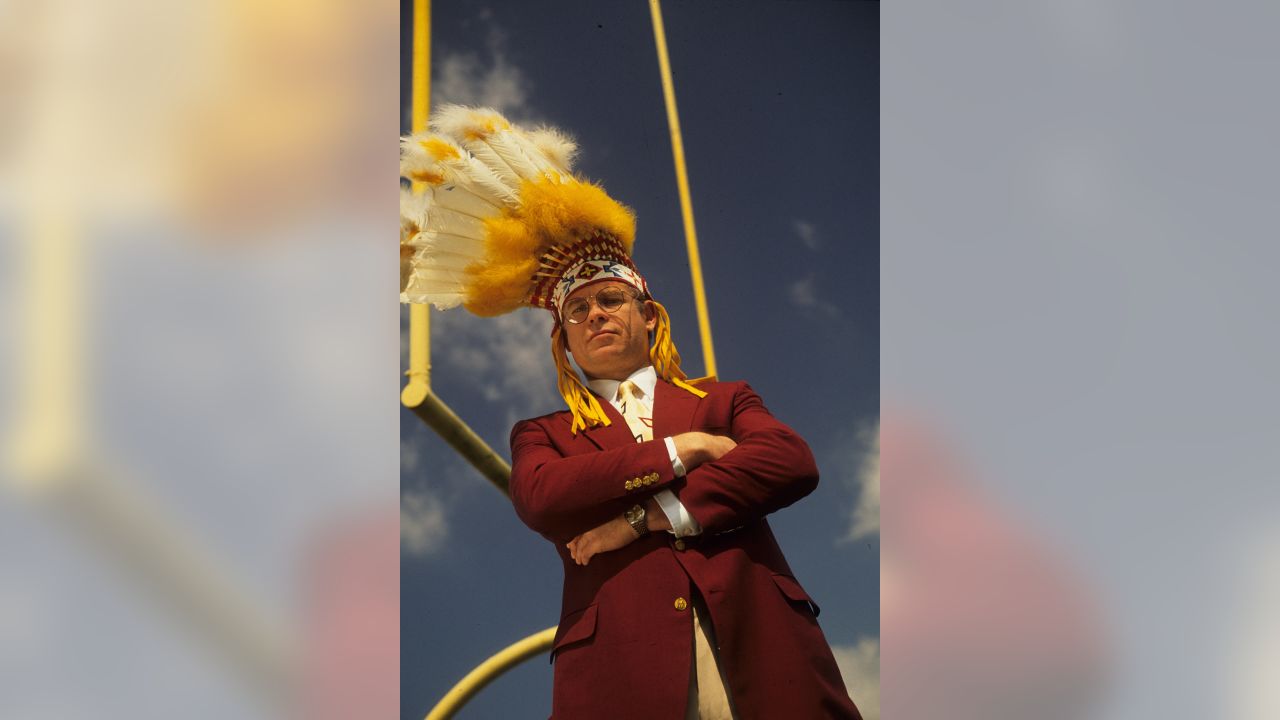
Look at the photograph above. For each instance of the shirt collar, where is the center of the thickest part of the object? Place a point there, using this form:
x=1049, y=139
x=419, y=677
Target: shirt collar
x=646, y=378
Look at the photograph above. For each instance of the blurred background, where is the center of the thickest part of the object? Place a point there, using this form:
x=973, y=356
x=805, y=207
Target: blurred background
x=1078, y=360
x=779, y=114
x=198, y=363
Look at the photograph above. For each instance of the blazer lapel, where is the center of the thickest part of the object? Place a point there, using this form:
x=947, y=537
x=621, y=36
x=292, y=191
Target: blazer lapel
x=673, y=409
x=616, y=434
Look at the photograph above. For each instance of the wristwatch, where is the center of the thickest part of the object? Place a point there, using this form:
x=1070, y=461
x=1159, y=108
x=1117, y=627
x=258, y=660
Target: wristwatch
x=635, y=516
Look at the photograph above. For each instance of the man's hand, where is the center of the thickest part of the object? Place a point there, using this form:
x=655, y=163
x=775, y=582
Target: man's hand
x=695, y=448
x=615, y=534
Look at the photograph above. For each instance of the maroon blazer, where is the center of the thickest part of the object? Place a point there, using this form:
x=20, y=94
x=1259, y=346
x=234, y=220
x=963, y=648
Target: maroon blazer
x=625, y=643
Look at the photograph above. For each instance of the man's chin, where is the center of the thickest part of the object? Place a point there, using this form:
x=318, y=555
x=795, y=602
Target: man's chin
x=612, y=367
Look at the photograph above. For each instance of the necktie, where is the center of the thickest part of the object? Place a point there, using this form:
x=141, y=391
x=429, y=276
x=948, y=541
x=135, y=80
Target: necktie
x=634, y=413
x=708, y=699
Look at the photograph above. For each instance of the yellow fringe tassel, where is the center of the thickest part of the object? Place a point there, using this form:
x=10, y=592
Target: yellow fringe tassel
x=665, y=357
x=584, y=406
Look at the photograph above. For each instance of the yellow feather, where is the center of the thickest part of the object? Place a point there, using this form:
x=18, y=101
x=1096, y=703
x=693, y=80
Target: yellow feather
x=439, y=149
x=426, y=176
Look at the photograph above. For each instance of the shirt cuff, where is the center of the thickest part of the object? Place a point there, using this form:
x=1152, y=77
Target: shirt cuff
x=675, y=459
x=682, y=523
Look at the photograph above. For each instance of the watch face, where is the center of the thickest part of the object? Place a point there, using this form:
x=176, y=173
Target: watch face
x=635, y=516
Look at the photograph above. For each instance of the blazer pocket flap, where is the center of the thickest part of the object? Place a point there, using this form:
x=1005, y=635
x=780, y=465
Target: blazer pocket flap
x=574, y=627
x=792, y=590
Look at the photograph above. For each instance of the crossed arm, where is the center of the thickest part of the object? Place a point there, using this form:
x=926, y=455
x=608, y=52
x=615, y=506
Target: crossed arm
x=694, y=449
x=760, y=466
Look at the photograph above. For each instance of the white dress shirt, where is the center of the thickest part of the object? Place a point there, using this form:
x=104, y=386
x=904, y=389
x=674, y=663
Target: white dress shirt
x=646, y=379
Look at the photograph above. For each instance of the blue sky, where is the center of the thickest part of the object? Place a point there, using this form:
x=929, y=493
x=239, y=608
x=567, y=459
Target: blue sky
x=779, y=111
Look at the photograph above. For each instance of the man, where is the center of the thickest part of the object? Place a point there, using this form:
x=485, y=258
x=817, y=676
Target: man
x=639, y=599
x=678, y=602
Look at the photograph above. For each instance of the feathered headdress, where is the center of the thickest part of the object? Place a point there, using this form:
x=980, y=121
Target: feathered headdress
x=495, y=221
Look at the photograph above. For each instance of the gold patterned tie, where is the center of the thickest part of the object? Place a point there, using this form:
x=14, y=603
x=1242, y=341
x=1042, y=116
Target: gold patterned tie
x=708, y=699
x=633, y=413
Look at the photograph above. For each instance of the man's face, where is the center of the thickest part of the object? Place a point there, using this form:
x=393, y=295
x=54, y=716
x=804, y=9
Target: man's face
x=611, y=345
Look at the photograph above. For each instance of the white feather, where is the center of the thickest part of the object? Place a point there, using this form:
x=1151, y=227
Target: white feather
x=444, y=267
x=442, y=301
x=483, y=132
x=413, y=156
x=439, y=261
x=461, y=200
x=439, y=279
x=470, y=172
x=446, y=240
x=443, y=278
x=414, y=206
x=443, y=220
x=443, y=287
x=521, y=156
x=417, y=290
x=493, y=161
x=449, y=248
x=456, y=121
x=559, y=149
x=462, y=170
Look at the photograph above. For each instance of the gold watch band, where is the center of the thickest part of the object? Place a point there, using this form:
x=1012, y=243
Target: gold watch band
x=635, y=516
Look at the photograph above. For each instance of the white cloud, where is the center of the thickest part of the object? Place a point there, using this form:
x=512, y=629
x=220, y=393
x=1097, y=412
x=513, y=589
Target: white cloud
x=410, y=453
x=803, y=294
x=490, y=81
x=866, y=515
x=860, y=666
x=507, y=357
x=423, y=522
x=423, y=527
x=807, y=233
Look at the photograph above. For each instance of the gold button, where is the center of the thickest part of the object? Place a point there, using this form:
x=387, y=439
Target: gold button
x=653, y=477
x=679, y=544
x=681, y=603
x=629, y=485
x=648, y=481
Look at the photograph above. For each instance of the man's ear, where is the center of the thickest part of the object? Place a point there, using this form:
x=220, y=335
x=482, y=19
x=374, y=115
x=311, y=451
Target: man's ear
x=650, y=315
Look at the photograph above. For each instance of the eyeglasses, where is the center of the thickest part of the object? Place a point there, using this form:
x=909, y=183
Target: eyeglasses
x=610, y=300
